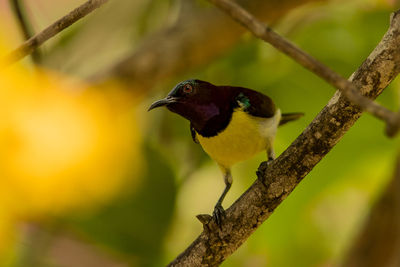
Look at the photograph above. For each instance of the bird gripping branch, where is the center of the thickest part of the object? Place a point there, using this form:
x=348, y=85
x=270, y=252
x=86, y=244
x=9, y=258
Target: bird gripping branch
x=232, y=124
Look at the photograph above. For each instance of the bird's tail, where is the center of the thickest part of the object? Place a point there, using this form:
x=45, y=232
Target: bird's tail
x=286, y=117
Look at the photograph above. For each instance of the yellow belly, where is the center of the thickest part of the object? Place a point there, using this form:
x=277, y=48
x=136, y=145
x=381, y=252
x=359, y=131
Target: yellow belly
x=244, y=137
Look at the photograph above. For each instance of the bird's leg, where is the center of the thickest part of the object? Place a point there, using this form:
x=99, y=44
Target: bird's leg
x=270, y=153
x=219, y=211
x=264, y=165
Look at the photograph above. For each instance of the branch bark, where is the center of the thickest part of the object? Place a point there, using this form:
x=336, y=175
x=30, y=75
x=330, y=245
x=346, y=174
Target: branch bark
x=35, y=41
x=280, y=178
x=347, y=88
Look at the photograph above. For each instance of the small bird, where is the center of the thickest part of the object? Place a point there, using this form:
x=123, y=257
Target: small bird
x=232, y=124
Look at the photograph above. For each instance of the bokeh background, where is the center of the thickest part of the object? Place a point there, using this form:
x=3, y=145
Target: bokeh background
x=89, y=178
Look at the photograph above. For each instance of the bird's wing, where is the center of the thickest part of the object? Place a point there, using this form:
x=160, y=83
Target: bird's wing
x=255, y=103
x=193, y=133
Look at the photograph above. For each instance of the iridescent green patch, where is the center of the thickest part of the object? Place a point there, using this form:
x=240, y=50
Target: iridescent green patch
x=243, y=101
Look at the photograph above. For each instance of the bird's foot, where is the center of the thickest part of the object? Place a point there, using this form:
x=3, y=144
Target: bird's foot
x=218, y=214
x=262, y=170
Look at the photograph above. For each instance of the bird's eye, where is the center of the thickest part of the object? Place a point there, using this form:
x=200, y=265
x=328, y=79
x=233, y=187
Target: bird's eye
x=187, y=88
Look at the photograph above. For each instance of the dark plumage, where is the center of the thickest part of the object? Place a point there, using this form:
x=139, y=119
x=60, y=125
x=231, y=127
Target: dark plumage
x=209, y=108
x=231, y=123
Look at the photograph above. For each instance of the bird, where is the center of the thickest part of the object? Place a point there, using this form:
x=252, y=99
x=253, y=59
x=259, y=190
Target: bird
x=232, y=124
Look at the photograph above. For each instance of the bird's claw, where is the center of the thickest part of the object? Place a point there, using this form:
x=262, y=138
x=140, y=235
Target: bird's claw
x=262, y=169
x=218, y=214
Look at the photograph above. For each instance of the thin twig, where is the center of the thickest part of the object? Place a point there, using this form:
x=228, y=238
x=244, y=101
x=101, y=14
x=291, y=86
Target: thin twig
x=279, y=178
x=32, y=43
x=19, y=10
x=20, y=15
x=347, y=88
x=172, y=51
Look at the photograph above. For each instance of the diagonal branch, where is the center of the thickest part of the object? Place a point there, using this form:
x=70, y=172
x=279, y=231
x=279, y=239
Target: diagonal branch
x=35, y=41
x=176, y=49
x=347, y=88
x=21, y=16
x=280, y=178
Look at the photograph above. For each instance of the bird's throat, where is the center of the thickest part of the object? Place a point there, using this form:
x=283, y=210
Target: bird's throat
x=207, y=119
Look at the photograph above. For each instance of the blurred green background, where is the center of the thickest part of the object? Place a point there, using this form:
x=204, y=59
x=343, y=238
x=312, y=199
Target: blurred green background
x=150, y=222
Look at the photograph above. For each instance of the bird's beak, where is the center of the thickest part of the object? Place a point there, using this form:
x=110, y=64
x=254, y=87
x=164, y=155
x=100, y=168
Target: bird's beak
x=162, y=102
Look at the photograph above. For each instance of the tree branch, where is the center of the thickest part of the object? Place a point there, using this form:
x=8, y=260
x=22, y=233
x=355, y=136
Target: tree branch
x=280, y=178
x=347, y=88
x=20, y=15
x=35, y=41
x=198, y=37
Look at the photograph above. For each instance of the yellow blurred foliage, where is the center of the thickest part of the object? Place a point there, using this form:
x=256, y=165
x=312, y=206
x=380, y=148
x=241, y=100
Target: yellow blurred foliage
x=7, y=237
x=61, y=145
x=64, y=145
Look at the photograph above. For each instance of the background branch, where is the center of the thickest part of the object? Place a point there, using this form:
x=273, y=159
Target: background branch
x=21, y=16
x=179, y=48
x=285, y=173
x=378, y=243
x=32, y=43
x=348, y=89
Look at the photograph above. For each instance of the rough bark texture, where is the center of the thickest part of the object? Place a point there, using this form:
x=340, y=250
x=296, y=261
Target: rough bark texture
x=378, y=244
x=280, y=177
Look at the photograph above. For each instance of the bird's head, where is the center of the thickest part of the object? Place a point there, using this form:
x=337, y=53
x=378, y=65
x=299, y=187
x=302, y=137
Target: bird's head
x=195, y=100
